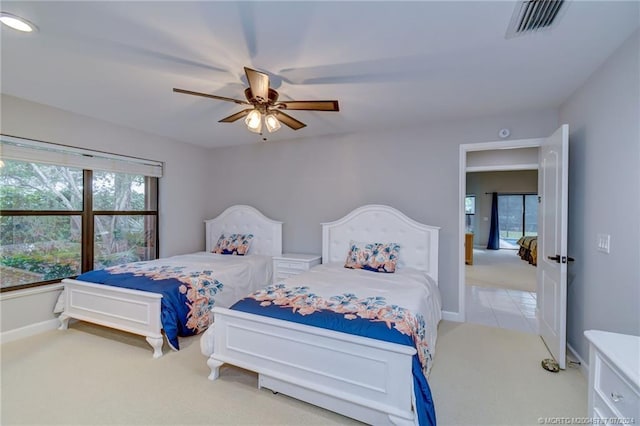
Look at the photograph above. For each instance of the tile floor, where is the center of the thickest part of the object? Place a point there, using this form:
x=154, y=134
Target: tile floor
x=502, y=308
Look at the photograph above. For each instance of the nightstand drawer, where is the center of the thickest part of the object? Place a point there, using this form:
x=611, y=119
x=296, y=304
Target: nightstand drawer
x=619, y=395
x=290, y=264
x=601, y=410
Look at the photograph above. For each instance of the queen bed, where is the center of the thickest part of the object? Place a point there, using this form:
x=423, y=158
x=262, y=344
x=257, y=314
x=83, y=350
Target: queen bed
x=358, y=340
x=174, y=296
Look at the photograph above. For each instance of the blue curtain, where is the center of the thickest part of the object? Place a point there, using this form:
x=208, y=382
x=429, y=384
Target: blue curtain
x=494, y=232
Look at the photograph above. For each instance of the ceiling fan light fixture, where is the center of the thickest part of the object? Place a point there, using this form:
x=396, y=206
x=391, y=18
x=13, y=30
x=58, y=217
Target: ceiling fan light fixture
x=265, y=104
x=272, y=123
x=254, y=121
x=17, y=23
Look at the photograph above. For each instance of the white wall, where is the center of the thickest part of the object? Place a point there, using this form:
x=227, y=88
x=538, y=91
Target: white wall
x=306, y=182
x=502, y=159
x=181, y=203
x=604, y=197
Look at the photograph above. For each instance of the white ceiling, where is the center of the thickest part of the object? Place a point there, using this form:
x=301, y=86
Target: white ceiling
x=390, y=64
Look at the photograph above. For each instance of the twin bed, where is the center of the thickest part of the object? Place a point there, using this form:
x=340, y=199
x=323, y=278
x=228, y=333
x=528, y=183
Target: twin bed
x=355, y=341
x=189, y=284
x=305, y=346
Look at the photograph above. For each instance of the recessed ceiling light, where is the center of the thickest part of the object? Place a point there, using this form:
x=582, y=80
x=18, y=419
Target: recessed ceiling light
x=17, y=23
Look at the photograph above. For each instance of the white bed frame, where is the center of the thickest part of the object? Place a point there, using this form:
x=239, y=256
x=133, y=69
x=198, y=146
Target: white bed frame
x=366, y=379
x=137, y=311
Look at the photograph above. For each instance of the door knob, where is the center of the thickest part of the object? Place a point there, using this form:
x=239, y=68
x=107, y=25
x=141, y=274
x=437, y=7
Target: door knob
x=563, y=259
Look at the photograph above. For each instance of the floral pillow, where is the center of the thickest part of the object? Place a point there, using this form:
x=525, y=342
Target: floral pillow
x=377, y=257
x=237, y=244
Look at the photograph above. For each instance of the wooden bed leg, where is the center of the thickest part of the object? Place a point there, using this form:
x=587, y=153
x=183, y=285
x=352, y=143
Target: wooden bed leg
x=156, y=344
x=214, y=365
x=64, y=321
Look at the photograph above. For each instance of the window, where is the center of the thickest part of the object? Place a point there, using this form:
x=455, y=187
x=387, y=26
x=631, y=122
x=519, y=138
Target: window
x=517, y=217
x=470, y=211
x=59, y=220
x=470, y=204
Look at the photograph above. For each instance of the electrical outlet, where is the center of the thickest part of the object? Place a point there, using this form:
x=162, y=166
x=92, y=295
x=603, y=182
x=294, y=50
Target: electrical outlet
x=604, y=242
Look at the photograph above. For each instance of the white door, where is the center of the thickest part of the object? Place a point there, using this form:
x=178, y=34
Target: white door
x=552, y=242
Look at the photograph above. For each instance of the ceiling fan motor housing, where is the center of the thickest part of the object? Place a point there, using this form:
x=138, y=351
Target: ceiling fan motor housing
x=273, y=97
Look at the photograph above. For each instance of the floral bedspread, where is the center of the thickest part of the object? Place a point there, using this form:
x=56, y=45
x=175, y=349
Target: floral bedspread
x=302, y=301
x=188, y=291
x=397, y=309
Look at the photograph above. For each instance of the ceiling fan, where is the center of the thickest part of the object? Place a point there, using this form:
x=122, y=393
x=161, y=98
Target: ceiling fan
x=264, y=104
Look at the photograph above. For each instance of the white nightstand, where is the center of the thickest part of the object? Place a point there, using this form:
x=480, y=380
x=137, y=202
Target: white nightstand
x=289, y=264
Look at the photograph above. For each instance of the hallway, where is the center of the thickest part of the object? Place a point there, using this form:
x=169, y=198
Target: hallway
x=499, y=291
x=502, y=308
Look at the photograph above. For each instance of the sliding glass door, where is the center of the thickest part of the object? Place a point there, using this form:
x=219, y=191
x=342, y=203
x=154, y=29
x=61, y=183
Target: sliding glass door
x=517, y=217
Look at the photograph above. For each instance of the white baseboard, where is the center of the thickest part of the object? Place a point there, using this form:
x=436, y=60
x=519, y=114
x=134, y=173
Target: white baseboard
x=452, y=316
x=584, y=367
x=29, y=330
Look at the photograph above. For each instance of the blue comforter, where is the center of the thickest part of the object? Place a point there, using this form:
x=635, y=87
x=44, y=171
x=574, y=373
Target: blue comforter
x=187, y=295
x=368, y=317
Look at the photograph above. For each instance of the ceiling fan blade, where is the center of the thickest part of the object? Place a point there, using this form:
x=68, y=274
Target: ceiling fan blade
x=259, y=84
x=309, y=105
x=236, y=116
x=288, y=120
x=205, y=95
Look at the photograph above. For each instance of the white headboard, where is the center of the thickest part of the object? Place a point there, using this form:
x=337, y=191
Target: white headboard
x=383, y=224
x=241, y=219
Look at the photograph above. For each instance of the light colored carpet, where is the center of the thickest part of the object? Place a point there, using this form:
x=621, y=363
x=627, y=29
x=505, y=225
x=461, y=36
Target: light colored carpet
x=492, y=376
x=89, y=375
x=501, y=269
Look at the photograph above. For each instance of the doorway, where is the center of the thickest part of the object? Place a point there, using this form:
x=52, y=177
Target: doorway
x=501, y=282
x=495, y=158
x=551, y=274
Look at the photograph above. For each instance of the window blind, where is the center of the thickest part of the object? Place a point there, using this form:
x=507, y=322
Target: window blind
x=27, y=150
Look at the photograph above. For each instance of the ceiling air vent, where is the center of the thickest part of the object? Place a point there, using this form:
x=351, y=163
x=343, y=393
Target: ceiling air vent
x=533, y=15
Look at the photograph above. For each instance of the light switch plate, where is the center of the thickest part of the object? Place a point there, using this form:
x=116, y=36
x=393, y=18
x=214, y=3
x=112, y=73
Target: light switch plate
x=604, y=242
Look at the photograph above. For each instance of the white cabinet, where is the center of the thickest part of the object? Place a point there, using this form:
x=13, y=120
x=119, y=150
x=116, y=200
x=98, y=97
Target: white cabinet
x=290, y=264
x=614, y=376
